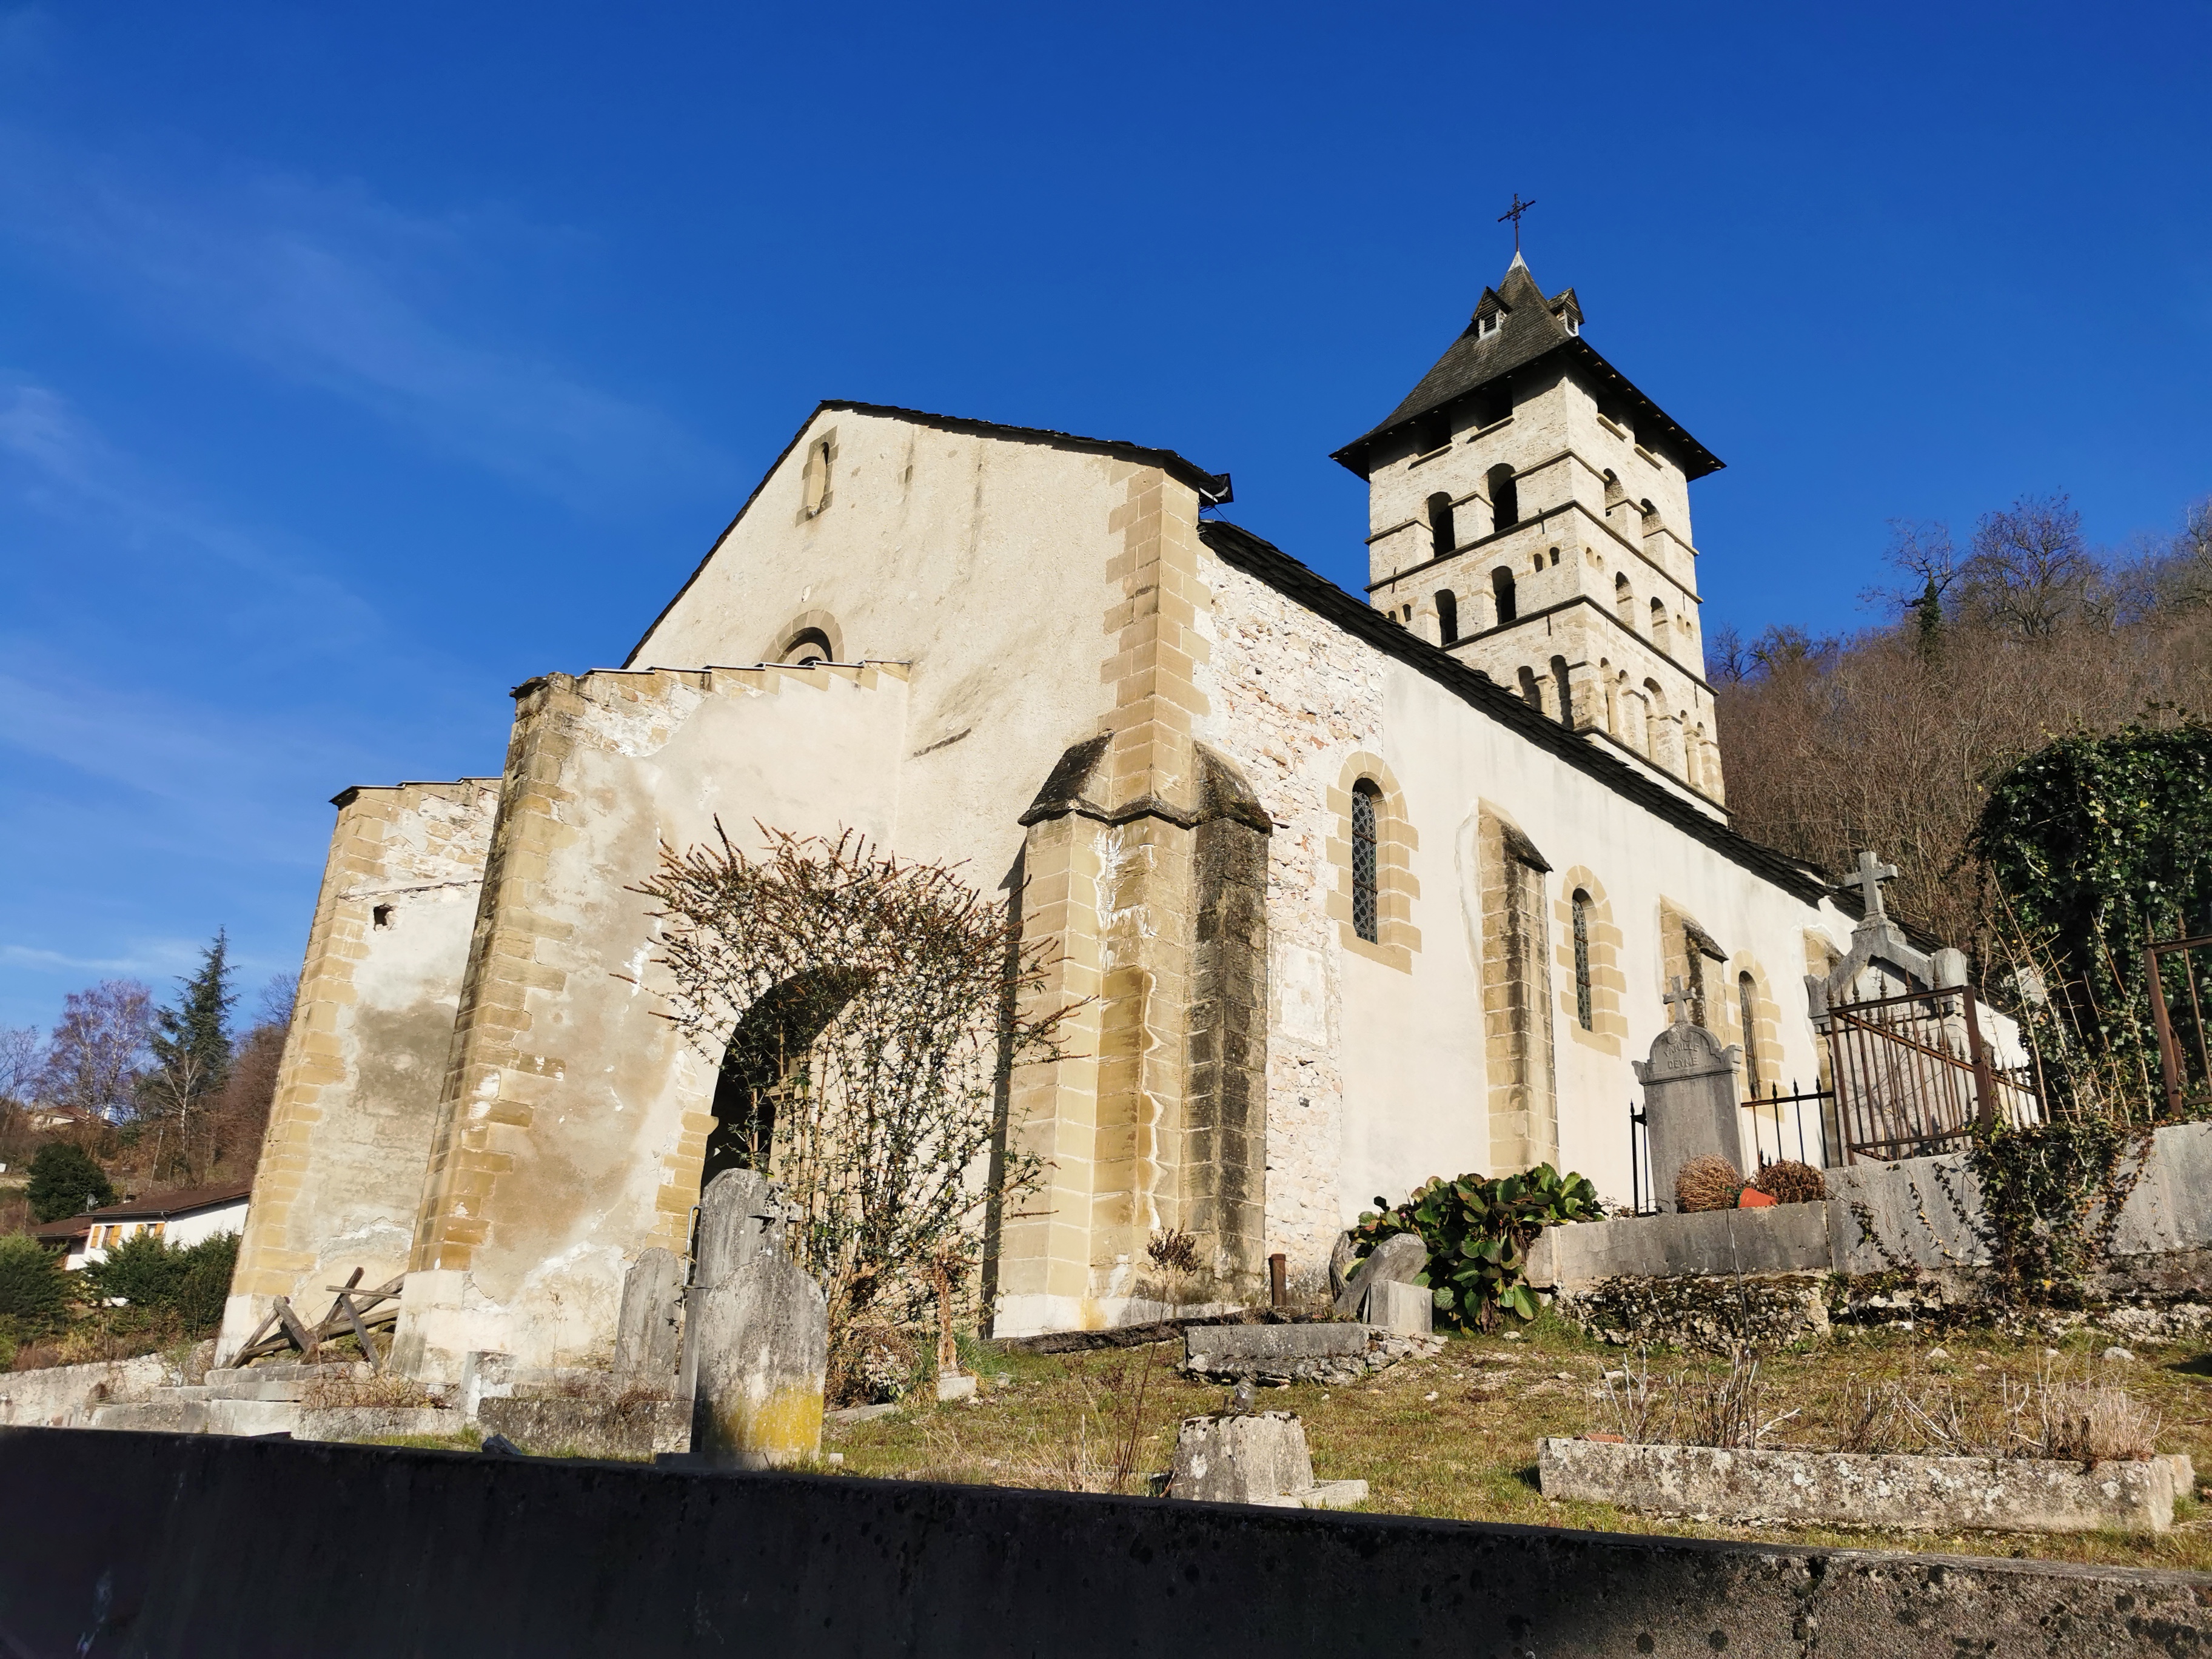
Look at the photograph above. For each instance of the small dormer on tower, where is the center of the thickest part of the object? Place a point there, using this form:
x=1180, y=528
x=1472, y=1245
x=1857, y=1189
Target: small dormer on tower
x=1529, y=510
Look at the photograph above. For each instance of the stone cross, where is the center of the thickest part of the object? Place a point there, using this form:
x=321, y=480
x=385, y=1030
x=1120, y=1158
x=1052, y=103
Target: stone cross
x=1872, y=873
x=1679, y=1000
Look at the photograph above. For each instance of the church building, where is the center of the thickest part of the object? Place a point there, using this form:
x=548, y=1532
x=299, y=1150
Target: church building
x=1356, y=888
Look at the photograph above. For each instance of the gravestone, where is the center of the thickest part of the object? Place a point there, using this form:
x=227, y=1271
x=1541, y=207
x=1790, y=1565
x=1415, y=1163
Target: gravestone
x=648, y=1347
x=1402, y=1258
x=1241, y=1459
x=1400, y=1308
x=755, y=1333
x=1690, y=1104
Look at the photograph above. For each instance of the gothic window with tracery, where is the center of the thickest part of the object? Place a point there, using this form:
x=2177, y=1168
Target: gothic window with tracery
x=1365, y=797
x=1583, y=1013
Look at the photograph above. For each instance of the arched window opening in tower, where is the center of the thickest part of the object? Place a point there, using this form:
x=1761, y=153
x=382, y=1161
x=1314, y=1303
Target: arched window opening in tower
x=1505, y=497
x=1563, y=686
x=1366, y=800
x=1501, y=585
x=1531, y=692
x=1624, y=603
x=1583, y=1011
x=1747, y=1000
x=1652, y=522
x=1614, y=495
x=1659, y=629
x=1441, y=540
x=1447, y=616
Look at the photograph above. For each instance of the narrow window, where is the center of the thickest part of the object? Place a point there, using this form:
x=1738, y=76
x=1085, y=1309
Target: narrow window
x=1505, y=497
x=1441, y=541
x=1365, y=797
x=1531, y=693
x=1448, y=615
x=1564, y=685
x=1614, y=495
x=1582, y=960
x=1659, y=632
x=1624, y=603
x=817, y=479
x=1747, y=1001
x=1501, y=584
x=1652, y=526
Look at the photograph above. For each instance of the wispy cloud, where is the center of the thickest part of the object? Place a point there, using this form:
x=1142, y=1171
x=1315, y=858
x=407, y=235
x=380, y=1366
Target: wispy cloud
x=325, y=285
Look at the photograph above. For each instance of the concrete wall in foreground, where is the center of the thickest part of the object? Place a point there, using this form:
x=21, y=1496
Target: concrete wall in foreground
x=183, y=1544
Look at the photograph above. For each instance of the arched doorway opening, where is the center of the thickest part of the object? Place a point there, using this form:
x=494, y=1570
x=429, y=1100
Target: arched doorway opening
x=764, y=1068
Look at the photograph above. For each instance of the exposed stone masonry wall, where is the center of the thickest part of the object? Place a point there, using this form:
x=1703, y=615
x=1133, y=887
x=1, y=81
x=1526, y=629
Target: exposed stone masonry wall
x=1291, y=701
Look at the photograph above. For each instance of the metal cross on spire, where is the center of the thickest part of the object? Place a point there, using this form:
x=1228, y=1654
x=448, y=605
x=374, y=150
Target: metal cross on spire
x=1872, y=873
x=1514, y=213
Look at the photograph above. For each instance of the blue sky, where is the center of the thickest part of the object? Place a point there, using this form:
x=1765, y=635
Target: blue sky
x=356, y=366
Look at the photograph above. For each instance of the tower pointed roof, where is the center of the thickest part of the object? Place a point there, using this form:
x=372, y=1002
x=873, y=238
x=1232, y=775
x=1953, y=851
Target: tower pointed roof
x=1514, y=325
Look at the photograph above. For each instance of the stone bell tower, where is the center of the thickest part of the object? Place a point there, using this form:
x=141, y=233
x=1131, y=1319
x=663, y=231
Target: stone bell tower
x=1529, y=510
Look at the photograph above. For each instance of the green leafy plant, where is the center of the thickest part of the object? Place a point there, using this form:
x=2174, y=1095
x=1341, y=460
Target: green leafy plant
x=1478, y=1231
x=151, y=1274
x=34, y=1292
x=65, y=1181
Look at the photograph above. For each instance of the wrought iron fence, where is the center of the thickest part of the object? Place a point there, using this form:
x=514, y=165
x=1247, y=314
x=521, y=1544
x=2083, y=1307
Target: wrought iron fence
x=1915, y=1074
x=2179, y=974
x=1780, y=1125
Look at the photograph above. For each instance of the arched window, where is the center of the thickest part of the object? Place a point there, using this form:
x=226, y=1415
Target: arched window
x=1447, y=615
x=1652, y=526
x=1659, y=623
x=1624, y=602
x=1563, y=685
x=1612, y=701
x=1747, y=1002
x=1441, y=540
x=1531, y=692
x=814, y=480
x=1501, y=584
x=1365, y=798
x=1583, y=1011
x=1505, y=497
x=809, y=645
x=1614, y=495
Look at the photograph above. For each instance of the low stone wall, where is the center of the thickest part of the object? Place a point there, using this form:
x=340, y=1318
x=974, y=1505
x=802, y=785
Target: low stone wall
x=182, y=1544
x=66, y=1396
x=1906, y=1217
x=1944, y=1494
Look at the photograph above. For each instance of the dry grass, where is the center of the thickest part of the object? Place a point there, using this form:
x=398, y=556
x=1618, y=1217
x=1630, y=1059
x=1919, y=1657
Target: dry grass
x=1455, y=1436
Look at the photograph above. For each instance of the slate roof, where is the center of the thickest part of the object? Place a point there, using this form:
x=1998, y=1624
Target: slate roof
x=1268, y=563
x=1531, y=328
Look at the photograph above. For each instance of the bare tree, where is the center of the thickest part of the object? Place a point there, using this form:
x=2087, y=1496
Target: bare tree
x=2030, y=573
x=98, y=1051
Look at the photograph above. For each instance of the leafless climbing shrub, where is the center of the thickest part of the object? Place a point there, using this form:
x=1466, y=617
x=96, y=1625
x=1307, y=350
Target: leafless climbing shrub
x=866, y=1014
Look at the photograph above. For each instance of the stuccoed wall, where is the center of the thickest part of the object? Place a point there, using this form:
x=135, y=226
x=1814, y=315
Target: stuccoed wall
x=1378, y=1074
x=200, y=1544
x=574, y=1119
x=340, y=1168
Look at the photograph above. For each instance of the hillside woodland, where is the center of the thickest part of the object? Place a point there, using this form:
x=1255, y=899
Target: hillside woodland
x=1990, y=650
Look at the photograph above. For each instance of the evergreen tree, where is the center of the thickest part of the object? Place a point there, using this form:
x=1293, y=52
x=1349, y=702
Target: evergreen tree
x=190, y=1045
x=64, y=1180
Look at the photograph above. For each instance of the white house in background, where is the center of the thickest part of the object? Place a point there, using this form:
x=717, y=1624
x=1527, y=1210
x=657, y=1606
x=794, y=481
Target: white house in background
x=182, y=1218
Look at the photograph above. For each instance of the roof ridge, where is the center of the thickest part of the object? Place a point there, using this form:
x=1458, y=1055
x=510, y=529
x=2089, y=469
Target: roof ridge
x=1300, y=582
